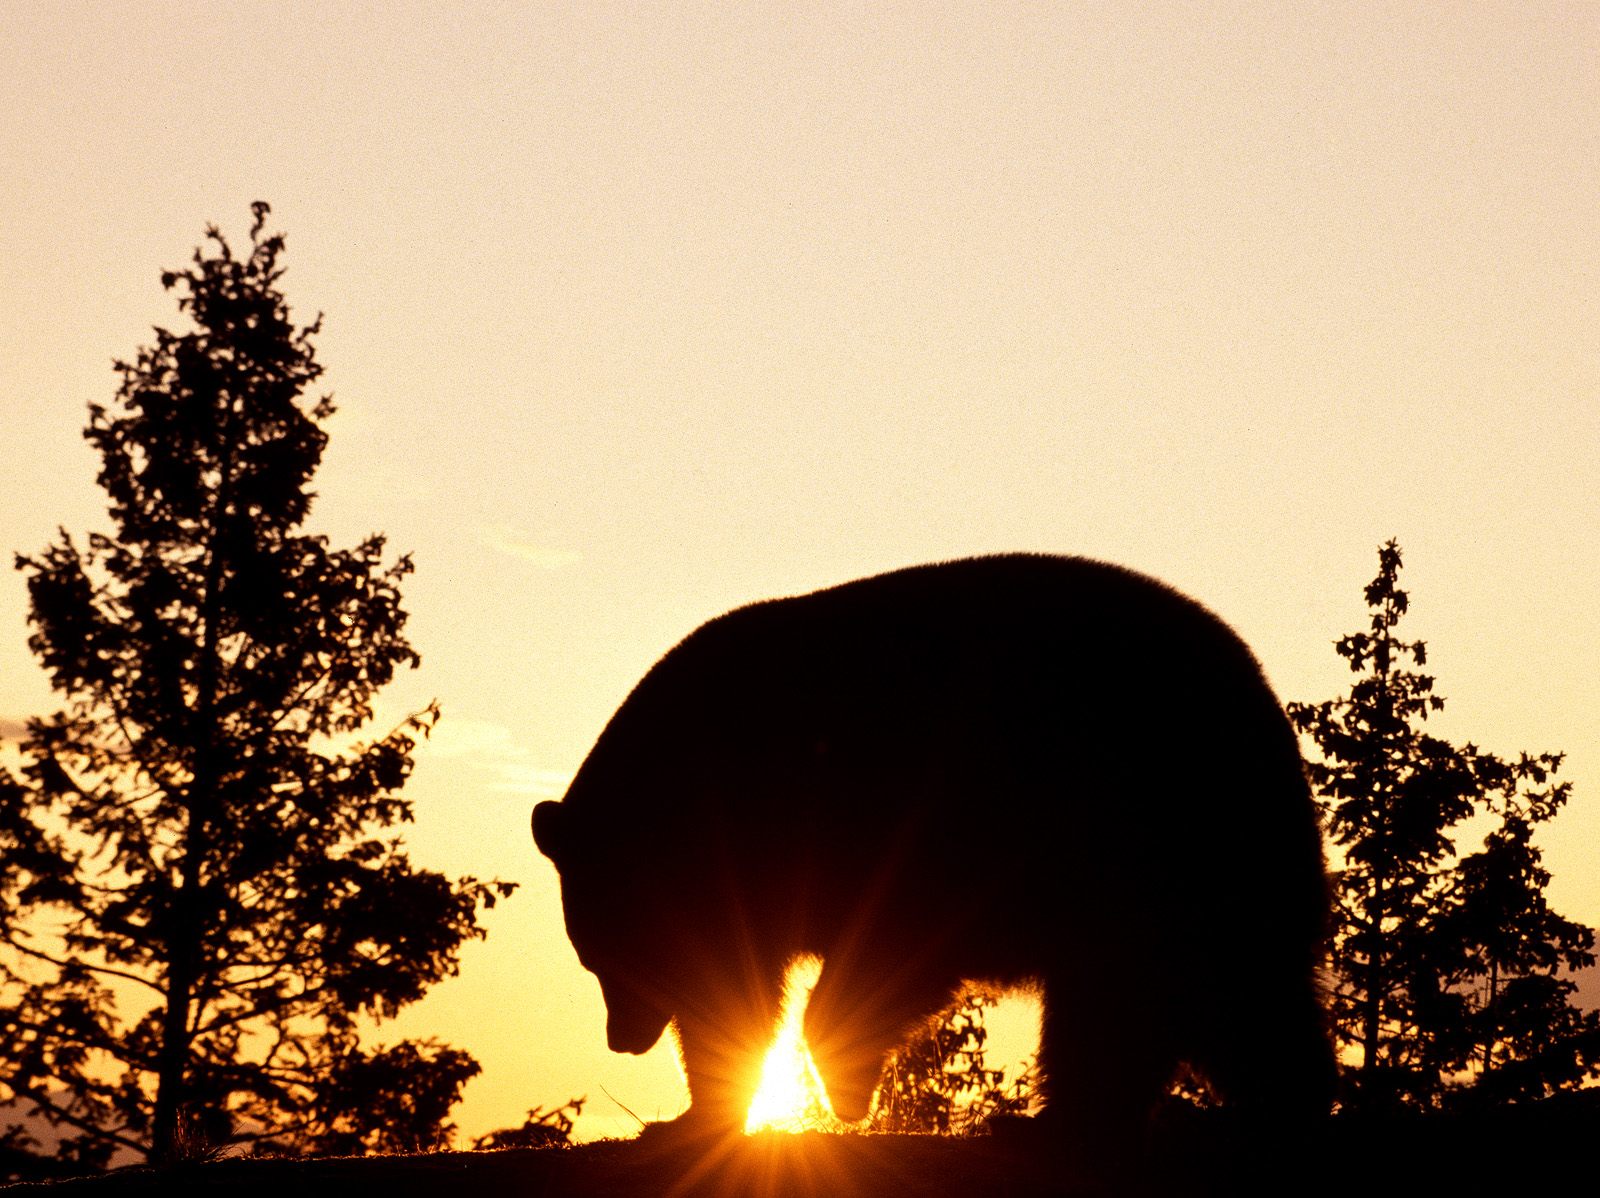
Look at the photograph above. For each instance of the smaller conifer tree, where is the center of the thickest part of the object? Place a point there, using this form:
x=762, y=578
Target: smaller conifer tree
x=1446, y=969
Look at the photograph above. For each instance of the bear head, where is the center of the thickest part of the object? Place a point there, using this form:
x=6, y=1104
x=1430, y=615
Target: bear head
x=609, y=925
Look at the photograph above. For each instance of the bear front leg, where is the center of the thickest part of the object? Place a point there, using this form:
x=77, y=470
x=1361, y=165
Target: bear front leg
x=722, y=1070
x=723, y=1045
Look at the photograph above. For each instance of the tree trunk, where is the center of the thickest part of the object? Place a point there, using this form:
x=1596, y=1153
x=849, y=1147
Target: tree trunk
x=1488, y=1040
x=173, y=1062
x=1371, y=1022
x=185, y=958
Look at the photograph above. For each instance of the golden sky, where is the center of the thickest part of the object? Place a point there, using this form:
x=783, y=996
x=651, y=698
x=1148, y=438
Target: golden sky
x=636, y=312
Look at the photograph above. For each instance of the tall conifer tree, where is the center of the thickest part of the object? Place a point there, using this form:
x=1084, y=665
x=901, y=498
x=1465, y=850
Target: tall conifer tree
x=201, y=886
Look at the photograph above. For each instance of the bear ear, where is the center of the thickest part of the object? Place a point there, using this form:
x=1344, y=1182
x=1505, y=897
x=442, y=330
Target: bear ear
x=552, y=830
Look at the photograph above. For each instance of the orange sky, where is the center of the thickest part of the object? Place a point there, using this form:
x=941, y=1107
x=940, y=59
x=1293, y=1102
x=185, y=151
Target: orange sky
x=638, y=312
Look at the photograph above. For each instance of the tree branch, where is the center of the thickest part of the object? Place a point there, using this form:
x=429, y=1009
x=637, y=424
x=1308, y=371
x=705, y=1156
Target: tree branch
x=11, y=939
x=54, y=1111
x=257, y=1136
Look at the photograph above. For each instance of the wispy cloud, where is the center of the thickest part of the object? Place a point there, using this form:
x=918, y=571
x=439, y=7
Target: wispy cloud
x=503, y=538
x=491, y=747
x=532, y=780
x=12, y=729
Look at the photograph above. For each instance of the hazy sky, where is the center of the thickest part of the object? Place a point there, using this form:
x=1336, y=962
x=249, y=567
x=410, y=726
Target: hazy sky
x=636, y=312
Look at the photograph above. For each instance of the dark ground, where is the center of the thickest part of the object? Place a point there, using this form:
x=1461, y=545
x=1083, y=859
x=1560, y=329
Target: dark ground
x=1515, y=1150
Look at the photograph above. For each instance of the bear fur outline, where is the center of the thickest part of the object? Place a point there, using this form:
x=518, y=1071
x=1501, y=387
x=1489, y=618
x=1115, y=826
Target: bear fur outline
x=845, y=772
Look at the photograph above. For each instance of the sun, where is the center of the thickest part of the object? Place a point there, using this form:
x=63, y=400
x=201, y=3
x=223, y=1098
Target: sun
x=789, y=1097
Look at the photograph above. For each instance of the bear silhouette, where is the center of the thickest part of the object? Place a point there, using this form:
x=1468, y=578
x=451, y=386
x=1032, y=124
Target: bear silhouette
x=1024, y=770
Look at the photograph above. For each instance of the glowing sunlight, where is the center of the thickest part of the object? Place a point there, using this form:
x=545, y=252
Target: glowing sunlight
x=790, y=1097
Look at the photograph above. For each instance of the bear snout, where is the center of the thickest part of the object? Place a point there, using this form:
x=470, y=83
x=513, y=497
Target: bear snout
x=632, y=1025
x=632, y=1036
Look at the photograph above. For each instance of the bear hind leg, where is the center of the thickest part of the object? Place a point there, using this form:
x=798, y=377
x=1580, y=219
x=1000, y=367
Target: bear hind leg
x=1271, y=1059
x=1106, y=1061
x=1271, y=1063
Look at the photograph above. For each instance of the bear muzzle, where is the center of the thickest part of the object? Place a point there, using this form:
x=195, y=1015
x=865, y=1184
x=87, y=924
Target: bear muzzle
x=632, y=1025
